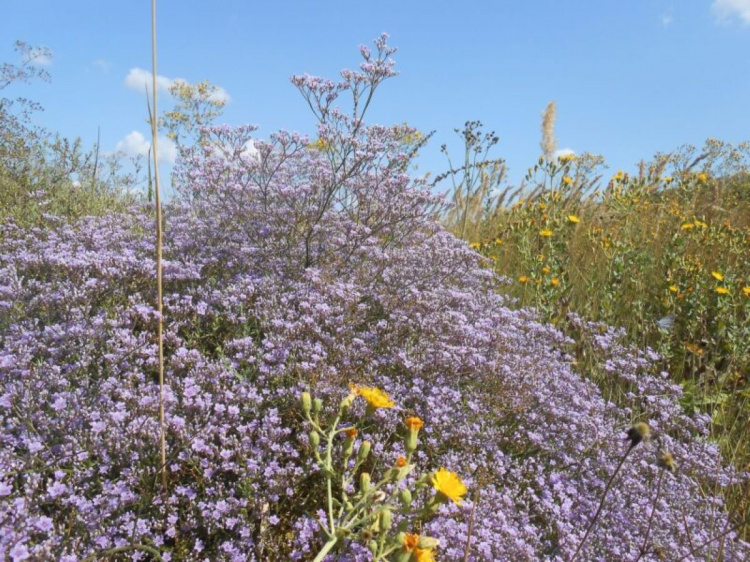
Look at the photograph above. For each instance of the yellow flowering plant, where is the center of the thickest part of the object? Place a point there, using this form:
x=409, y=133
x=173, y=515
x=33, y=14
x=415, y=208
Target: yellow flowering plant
x=367, y=514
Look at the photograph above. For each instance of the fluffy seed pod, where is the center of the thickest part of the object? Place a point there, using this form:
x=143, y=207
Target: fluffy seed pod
x=639, y=432
x=667, y=462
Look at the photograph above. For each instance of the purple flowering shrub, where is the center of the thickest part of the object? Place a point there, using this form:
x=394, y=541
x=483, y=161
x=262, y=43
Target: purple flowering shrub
x=306, y=266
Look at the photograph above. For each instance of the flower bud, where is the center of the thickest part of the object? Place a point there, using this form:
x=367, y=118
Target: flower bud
x=373, y=547
x=317, y=405
x=306, y=403
x=346, y=404
x=413, y=424
x=405, y=496
x=314, y=439
x=386, y=520
x=364, y=482
x=364, y=450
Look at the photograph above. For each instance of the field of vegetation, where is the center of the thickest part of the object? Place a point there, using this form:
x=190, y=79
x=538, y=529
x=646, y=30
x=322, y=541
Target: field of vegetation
x=356, y=367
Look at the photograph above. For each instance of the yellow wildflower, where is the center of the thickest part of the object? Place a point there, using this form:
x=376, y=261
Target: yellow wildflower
x=523, y=279
x=702, y=177
x=498, y=241
x=555, y=281
x=375, y=397
x=567, y=180
x=449, y=485
x=424, y=555
x=574, y=219
x=687, y=226
x=674, y=288
x=475, y=245
x=694, y=348
x=701, y=224
x=319, y=144
x=746, y=290
x=546, y=233
x=718, y=275
x=618, y=176
x=566, y=157
x=414, y=423
x=545, y=270
x=401, y=462
x=351, y=433
x=722, y=290
x=542, y=205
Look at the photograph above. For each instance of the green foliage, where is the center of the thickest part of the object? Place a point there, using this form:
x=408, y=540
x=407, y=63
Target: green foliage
x=664, y=255
x=46, y=174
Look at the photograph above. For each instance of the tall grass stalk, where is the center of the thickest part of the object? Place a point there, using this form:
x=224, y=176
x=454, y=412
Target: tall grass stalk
x=159, y=243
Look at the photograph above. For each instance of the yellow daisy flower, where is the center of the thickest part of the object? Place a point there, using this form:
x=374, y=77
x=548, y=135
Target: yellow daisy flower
x=567, y=180
x=722, y=290
x=687, y=226
x=523, y=279
x=424, y=555
x=375, y=397
x=746, y=290
x=574, y=219
x=555, y=281
x=546, y=233
x=449, y=485
x=718, y=275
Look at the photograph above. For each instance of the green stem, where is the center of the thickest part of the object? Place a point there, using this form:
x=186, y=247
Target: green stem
x=326, y=549
x=601, y=504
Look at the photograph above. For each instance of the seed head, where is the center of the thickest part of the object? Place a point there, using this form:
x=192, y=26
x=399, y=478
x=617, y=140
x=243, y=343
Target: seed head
x=667, y=462
x=639, y=432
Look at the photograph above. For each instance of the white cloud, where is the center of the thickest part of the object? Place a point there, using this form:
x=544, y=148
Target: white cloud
x=167, y=150
x=564, y=152
x=726, y=10
x=140, y=80
x=135, y=144
x=249, y=153
x=667, y=20
x=220, y=95
x=103, y=65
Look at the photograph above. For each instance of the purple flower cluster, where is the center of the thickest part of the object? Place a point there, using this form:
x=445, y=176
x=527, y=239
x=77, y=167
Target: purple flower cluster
x=308, y=269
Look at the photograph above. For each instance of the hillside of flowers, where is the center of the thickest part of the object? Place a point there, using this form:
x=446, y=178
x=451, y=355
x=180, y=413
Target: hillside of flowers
x=298, y=265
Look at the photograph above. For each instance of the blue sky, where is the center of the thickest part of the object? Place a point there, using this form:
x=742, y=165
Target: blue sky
x=628, y=78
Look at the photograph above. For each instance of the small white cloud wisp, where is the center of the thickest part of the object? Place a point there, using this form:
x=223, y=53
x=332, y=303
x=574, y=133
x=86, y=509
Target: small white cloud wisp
x=140, y=80
x=564, y=152
x=135, y=144
x=728, y=10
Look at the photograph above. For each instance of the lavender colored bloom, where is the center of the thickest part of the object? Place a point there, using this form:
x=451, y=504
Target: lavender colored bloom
x=275, y=283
